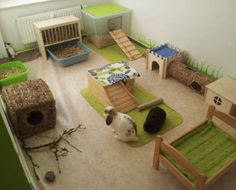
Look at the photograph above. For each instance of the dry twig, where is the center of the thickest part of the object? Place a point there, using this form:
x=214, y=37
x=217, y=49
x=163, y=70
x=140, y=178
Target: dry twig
x=54, y=147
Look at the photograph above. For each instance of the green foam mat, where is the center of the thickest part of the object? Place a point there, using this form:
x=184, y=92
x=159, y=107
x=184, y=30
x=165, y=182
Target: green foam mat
x=173, y=118
x=105, y=9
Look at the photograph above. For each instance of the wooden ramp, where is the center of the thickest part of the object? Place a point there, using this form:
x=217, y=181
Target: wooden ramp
x=125, y=44
x=121, y=98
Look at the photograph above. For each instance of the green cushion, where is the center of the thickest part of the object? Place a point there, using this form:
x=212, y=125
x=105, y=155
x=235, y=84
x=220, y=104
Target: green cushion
x=105, y=10
x=208, y=148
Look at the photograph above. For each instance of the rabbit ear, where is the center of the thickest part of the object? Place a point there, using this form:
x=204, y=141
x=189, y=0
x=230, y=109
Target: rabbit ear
x=109, y=119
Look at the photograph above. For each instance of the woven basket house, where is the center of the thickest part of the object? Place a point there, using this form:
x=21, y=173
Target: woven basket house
x=31, y=107
x=187, y=76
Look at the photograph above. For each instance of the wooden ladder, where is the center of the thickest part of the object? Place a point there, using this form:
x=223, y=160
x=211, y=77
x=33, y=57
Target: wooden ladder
x=125, y=44
x=121, y=98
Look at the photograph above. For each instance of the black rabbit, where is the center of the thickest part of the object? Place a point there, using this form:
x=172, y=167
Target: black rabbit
x=155, y=119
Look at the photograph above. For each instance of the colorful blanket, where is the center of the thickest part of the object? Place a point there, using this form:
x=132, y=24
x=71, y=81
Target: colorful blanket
x=114, y=73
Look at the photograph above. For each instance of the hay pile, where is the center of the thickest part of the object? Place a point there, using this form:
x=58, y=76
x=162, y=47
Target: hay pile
x=9, y=72
x=67, y=51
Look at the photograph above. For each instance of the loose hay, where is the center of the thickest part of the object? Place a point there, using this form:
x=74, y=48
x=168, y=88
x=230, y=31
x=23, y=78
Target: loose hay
x=9, y=72
x=66, y=50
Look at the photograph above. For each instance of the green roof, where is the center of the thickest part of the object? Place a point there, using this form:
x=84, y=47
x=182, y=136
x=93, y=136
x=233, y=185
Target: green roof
x=105, y=9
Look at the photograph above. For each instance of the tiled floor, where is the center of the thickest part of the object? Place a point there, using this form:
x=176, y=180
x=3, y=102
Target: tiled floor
x=106, y=163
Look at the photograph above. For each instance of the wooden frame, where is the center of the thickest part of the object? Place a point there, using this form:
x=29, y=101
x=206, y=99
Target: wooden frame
x=202, y=182
x=55, y=31
x=162, y=62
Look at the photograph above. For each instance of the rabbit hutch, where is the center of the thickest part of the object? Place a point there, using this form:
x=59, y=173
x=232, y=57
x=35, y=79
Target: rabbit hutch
x=112, y=85
x=101, y=19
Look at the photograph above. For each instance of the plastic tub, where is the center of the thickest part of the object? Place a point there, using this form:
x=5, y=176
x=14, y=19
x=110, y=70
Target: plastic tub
x=72, y=59
x=14, y=78
x=99, y=20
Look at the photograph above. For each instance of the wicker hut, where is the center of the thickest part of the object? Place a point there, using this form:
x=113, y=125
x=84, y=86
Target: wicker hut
x=187, y=76
x=31, y=107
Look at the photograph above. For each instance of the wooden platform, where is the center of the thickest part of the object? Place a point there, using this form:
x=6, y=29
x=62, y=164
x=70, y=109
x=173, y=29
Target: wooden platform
x=125, y=44
x=117, y=95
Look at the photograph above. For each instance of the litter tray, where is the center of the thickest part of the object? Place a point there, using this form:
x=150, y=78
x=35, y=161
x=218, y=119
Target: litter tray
x=14, y=72
x=72, y=59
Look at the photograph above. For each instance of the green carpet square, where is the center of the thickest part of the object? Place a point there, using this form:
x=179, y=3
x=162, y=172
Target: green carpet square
x=173, y=118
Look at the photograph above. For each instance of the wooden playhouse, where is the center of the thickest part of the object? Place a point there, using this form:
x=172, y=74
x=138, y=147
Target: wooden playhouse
x=112, y=85
x=161, y=56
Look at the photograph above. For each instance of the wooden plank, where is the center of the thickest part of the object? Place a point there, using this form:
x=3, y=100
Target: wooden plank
x=123, y=40
x=230, y=120
x=176, y=173
x=180, y=158
x=210, y=112
x=125, y=104
x=60, y=33
x=69, y=31
x=116, y=92
x=55, y=22
x=190, y=131
x=61, y=41
x=76, y=29
x=120, y=100
x=56, y=34
x=49, y=36
x=130, y=48
x=72, y=30
x=44, y=37
x=66, y=36
x=125, y=44
x=131, y=95
x=137, y=56
x=126, y=109
x=98, y=90
x=53, y=35
x=112, y=89
x=134, y=53
x=157, y=151
x=116, y=31
x=115, y=98
x=120, y=35
x=213, y=178
x=201, y=183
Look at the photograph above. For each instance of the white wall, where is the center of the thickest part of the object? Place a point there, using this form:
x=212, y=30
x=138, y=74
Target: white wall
x=8, y=16
x=205, y=28
x=3, y=52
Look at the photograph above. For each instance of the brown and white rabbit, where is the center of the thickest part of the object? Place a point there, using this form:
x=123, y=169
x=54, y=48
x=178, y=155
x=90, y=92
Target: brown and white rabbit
x=123, y=126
